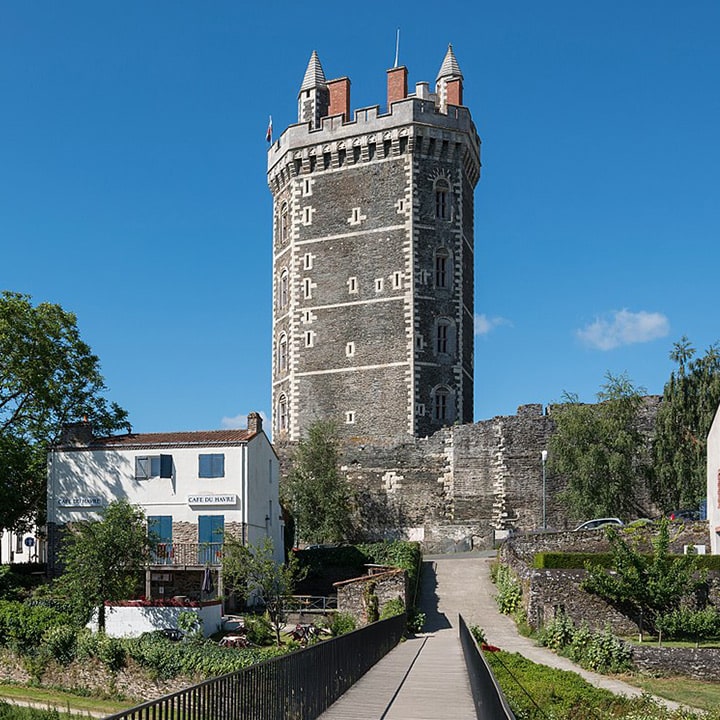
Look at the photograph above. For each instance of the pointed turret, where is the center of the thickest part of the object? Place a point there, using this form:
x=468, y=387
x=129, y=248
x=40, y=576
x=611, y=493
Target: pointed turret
x=449, y=67
x=314, y=74
x=314, y=97
x=449, y=82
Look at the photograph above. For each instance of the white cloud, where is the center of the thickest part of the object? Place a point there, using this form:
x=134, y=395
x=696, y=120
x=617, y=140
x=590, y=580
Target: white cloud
x=484, y=324
x=239, y=422
x=624, y=328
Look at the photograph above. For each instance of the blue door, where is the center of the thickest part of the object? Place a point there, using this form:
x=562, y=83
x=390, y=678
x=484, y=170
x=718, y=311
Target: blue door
x=160, y=534
x=210, y=537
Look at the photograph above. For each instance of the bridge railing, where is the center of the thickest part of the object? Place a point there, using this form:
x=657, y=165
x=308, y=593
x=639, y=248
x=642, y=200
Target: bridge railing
x=300, y=685
x=487, y=695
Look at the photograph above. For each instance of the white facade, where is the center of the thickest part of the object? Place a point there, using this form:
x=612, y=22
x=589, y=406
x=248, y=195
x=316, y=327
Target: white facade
x=193, y=486
x=713, y=481
x=21, y=547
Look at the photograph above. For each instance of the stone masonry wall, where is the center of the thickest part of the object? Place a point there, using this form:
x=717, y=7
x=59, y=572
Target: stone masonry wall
x=466, y=486
x=547, y=592
x=388, y=586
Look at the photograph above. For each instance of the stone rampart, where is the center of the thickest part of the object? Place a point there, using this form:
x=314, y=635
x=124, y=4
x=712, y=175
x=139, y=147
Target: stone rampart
x=466, y=486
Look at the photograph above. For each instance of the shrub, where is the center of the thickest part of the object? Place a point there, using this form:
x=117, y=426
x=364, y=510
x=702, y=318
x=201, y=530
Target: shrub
x=415, y=620
x=342, y=623
x=22, y=626
x=259, y=629
x=191, y=624
x=111, y=652
x=688, y=624
x=602, y=652
x=392, y=608
x=509, y=596
x=558, y=633
x=478, y=633
x=60, y=643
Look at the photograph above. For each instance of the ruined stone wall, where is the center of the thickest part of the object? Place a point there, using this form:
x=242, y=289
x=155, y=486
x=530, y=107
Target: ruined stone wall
x=466, y=486
x=352, y=594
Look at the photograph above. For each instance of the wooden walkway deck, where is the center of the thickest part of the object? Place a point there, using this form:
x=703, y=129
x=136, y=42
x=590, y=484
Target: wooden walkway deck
x=423, y=678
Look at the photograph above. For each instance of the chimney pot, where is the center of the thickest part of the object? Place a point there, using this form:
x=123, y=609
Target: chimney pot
x=254, y=422
x=396, y=85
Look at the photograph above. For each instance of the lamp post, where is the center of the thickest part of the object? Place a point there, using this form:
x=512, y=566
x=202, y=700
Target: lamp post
x=543, y=457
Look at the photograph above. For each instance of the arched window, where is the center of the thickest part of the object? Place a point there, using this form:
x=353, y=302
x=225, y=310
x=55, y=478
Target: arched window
x=282, y=414
x=282, y=358
x=283, y=289
x=283, y=222
x=442, y=199
x=443, y=268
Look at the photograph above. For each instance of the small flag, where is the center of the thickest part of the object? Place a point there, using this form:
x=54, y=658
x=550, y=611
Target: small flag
x=268, y=134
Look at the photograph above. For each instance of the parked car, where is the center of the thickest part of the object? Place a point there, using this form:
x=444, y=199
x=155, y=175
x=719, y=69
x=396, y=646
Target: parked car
x=686, y=515
x=599, y=523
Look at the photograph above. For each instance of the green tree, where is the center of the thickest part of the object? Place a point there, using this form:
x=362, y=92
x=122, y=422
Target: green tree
x=251, y=570
x=601, y=451
x=48, y=376
x=104, y=559
x=690, y=400
x=643, y=586
x=316, y=493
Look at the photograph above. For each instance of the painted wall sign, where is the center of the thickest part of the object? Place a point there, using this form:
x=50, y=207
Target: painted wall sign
x=212, y=499
x=78, y=501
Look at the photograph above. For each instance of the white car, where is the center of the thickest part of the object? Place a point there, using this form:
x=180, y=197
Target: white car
x=599, y=523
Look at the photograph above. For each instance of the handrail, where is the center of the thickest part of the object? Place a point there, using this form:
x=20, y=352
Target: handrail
x=490, y=703
x=300, y=685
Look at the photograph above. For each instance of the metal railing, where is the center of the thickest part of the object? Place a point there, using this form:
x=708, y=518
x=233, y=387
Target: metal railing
x=305, y=603
x=489, y=700
x=297, y=686
x=186, y=554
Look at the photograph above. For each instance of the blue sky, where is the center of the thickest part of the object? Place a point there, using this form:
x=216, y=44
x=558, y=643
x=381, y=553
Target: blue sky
x=133, y=190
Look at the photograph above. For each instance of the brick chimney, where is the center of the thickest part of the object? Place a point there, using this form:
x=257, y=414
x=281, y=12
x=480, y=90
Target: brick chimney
x=339, y=98
x=396, y=85
x=254, y=423
x=454, y=90
x=77, y=433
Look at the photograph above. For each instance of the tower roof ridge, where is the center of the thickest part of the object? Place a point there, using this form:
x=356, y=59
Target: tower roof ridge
x=314, y=74
x=449, y=67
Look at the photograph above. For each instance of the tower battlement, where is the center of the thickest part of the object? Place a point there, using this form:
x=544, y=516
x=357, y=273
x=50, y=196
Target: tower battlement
x=373, y=259
x=406, y=118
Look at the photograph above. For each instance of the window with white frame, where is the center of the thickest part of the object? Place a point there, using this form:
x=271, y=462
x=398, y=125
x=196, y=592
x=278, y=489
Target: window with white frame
x=309, y=338
x=307, y=288
x=350, y=349
x=379, y=284
x=397, y=280
x=307, y=261
x=350, y=417
x=352, y=284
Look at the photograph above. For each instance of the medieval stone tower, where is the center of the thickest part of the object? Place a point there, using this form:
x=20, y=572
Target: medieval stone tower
x=373, y=259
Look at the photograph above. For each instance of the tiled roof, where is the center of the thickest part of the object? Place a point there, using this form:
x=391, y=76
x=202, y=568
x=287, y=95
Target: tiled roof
x=314, y=74
x=449, y=67
x=201, y=437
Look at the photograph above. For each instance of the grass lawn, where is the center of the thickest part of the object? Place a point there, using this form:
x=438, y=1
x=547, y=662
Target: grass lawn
x=695, y=693
x=63, y=700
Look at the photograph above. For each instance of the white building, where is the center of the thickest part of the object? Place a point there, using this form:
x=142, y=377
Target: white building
x=713, y=483
x=195, y=488
x=21, y=547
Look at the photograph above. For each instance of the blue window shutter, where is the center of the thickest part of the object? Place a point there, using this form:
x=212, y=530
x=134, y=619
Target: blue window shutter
x=142, y=468
x=218, y=465
x=166, y=466
x=205, y=466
